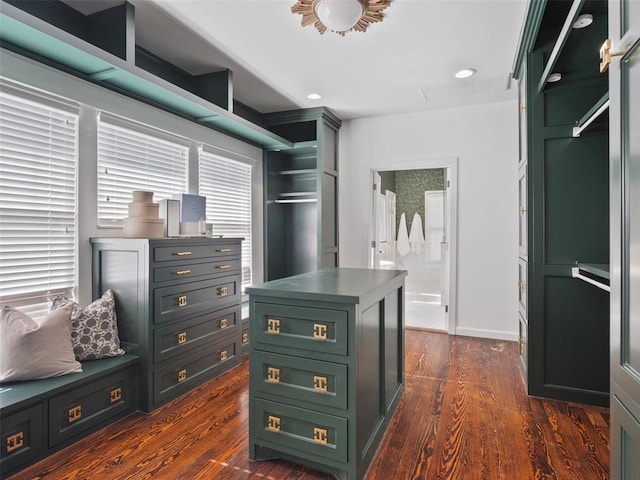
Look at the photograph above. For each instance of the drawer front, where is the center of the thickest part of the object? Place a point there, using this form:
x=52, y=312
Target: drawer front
x=177, y=378
x=299, y=431
x=185, y=271
x=178, y=338
x=22, y=438
x=313, y=381
x=179, y=301
x=315, y=329
x=85, y=407
x=187, y=252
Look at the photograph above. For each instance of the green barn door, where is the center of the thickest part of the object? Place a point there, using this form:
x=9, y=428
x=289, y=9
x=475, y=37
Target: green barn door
x=624, y=91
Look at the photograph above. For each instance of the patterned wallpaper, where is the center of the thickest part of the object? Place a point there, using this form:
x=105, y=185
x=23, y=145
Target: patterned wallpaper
x=410, y=188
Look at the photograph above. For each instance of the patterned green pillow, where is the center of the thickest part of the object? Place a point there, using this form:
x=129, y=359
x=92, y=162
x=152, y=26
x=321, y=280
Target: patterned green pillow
x=94, y=328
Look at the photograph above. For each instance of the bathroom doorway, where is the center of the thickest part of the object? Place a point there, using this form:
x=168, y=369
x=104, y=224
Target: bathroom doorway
x=412, y=231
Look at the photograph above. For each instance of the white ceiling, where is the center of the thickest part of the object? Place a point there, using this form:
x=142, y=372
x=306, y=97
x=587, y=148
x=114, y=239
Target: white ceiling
x=403, y=64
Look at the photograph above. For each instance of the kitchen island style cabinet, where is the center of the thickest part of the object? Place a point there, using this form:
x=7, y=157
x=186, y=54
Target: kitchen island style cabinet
x=178, y=308
x=326, y=367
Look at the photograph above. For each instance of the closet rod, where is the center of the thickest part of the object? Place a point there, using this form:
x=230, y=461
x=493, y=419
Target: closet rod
x=575, y=273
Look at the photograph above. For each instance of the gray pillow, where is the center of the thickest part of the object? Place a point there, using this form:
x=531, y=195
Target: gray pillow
x=31, y=350
x=94, y=328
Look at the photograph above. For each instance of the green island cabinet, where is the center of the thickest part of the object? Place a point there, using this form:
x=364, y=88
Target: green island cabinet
x=564, y=203
x=326, y=367
x=301, y=193
x=178, y=308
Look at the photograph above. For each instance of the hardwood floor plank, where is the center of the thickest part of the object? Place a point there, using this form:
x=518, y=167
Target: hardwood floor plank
x=464, y=416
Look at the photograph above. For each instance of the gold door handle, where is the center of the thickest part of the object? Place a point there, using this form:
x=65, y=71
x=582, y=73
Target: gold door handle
x=182, y=375
x=183, y=272
x=319, y=331
x=223, y=267
x=14, y=442
x=115, y=395
x=245, y=337
x=273, y=423
x=223, y=355
x=223, y=323
x=224, y=250
x=320, y=435
x=523, y=287
x=181, y=300
x=74, y=414
x=273, y=375
x=273, y=325
x=223, y=291
x=320, y=383
x=523, y=211
x=182, y=338
x=606, y=54
x=522, y=108
x=183, y=254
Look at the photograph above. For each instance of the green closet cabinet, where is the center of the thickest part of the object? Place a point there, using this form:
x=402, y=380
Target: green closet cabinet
x=178, y=308
x=563, y=202
x=301, y=193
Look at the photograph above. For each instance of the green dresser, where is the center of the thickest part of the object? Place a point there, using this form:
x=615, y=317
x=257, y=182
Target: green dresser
x=326, y=367
x=178, y=307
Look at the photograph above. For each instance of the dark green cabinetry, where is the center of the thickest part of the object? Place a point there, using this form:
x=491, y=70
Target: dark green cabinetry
x=301, y=193
x=178, y=306
x=326, y=367
x=40, y=417
x=563, y=202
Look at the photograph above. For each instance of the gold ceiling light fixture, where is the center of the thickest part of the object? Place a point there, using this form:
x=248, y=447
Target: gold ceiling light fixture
x=340, y=16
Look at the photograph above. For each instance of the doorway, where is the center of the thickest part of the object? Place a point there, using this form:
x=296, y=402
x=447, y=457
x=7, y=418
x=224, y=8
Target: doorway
x=412, y=231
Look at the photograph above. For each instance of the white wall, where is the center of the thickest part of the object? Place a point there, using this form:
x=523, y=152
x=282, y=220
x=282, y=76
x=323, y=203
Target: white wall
x=484, y=139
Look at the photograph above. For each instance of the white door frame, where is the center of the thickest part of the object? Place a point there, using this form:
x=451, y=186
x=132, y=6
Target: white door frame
x=450, y=163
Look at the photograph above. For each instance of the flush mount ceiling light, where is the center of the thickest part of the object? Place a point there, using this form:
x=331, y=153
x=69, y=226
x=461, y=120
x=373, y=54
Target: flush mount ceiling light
x=340, y=16
x=583, y=20
x=554, y=77
x=465, y=73
x=314, y=96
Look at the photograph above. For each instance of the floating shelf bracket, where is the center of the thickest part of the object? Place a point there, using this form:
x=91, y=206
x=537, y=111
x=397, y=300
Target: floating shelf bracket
x=598, y=109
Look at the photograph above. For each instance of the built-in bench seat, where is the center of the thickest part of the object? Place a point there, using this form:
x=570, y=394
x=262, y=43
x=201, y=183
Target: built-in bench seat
x=39, y=417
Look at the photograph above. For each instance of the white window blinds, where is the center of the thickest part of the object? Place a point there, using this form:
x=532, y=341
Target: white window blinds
x=227, y=185
x=38, y=152
x=136, y=158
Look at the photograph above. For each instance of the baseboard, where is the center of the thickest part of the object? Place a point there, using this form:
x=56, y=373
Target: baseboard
x=483, y=333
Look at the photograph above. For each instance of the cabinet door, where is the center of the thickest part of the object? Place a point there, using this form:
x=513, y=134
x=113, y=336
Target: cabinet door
x=624, y=94
x=522, y=114
x=522, y=211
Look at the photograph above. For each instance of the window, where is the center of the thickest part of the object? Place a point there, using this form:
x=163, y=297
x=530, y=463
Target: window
x=135, y=157
x=434, y=208
x=38, y=152
x=227, y=185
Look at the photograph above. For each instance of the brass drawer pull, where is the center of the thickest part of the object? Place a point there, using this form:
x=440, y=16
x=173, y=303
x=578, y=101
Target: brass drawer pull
x=223, y=323
x=182, y=375
x=181, y=300
x=74, y=414
x=224, y=250
x=223, y=267
x=245, y=337
x=320, y=435
x=115, y=395
x=320, y=383
x=273, y=325
x=223, y=355
x=273, y=423
x=182, y=254
x=14, y=442
x=523, y=211
x=319, y=331
x=223, y=291
x=273, y=375
x=183, y=272
x=182, y=338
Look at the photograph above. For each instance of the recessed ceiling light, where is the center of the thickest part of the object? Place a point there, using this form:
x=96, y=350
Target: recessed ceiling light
x=465, y=73
x=554, y=77
x=314, y=96
x=583, y=20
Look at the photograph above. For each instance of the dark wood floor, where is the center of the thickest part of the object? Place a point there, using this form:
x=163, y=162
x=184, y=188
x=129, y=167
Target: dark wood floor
x=464, y=416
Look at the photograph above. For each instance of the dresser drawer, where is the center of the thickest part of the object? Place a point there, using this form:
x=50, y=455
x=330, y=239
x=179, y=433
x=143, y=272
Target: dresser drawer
x=178, y=301
x=182, y=375
x=178, y=338
x=22, y=437
x=313, y=381
x=315, y=329
x=89, y=405
x=184, y=252
x=185, y=271
x=299, y=431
